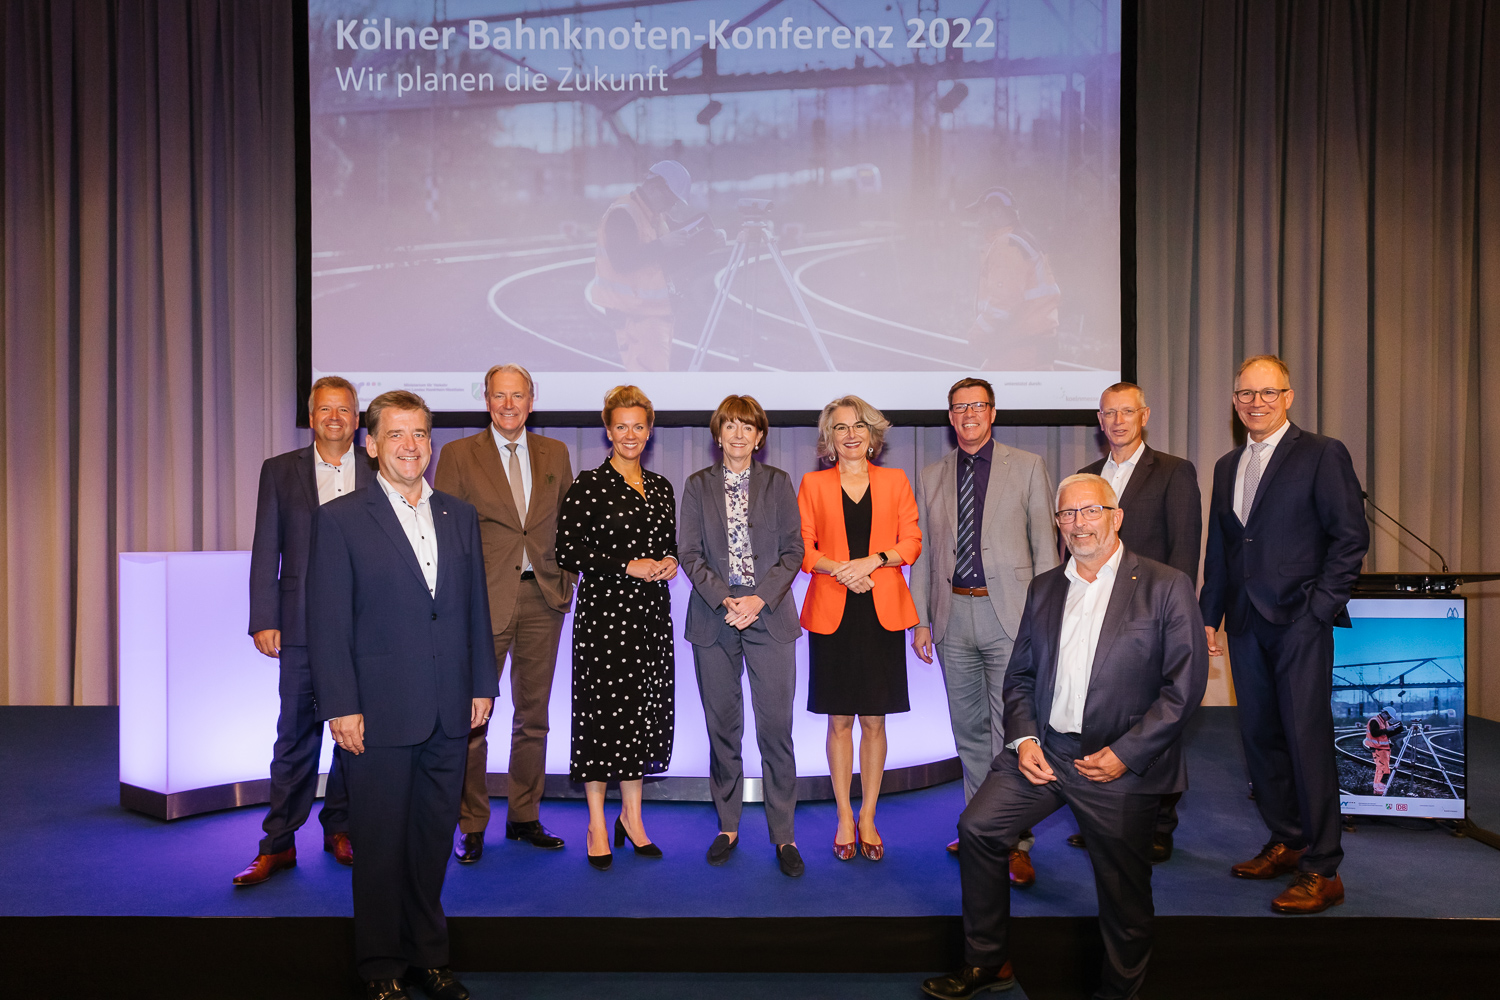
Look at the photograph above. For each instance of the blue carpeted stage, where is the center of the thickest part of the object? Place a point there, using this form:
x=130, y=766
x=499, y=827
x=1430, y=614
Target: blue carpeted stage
x=93, y=888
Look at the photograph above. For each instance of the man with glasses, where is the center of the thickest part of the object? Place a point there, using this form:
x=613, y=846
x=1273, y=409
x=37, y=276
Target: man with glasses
x=1286, y=537
x=1108, y=667
x=1160, y=494
x=986, y=520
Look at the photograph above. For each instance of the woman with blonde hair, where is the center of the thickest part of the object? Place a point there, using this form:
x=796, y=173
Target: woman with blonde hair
x=859, y=525
x=617, y=528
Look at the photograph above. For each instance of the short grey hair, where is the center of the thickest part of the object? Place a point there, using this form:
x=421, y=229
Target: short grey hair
x=873, y=418
x=513, y=369
x=1124, y=387
x=335, y=382
x=1092, y=480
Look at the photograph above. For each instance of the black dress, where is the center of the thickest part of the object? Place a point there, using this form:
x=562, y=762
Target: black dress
x=859, y=669
x=622, y=627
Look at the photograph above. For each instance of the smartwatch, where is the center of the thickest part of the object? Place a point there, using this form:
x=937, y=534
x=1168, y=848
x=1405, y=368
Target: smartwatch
x=884, y=559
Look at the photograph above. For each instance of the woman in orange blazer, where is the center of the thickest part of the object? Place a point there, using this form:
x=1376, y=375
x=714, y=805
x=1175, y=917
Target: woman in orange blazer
x=859, y=524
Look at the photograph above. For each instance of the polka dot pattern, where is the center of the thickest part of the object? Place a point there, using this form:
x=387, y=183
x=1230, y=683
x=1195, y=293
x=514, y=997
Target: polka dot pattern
x=623, y=687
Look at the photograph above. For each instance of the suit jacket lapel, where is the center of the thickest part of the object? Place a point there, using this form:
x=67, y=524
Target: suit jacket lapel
x=380, y=509
x=447, y=542
x=1114, y=614
x=1278, y=458
x=534, y=459
x=364, y=476
x=1052, y=605
x=714, y=497
x=493, y=465
x=1143, y=469
x=948, y=492
x=307, y=472
x=999, y=472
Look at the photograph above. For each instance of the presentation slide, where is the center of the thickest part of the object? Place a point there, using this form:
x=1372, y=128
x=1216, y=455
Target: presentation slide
x=1399, y=707
x=794, y=199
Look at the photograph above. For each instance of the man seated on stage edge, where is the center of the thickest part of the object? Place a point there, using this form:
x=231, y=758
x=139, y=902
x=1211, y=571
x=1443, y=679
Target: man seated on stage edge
x=1108, y=665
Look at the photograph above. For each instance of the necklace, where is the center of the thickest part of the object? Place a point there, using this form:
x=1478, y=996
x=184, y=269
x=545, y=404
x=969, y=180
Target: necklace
x=636, y=483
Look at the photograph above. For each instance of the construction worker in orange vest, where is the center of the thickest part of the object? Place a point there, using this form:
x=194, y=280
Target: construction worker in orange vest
x=1378, y=741
x=630, y=281
x=1016, y=306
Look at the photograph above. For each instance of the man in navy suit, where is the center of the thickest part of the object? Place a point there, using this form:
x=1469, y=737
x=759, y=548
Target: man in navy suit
x=1286, y=537
x=404, y=668
x=1107, y=668
x=292, y=487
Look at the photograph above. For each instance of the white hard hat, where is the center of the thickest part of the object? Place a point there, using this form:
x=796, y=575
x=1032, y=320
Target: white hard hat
x=676, y=176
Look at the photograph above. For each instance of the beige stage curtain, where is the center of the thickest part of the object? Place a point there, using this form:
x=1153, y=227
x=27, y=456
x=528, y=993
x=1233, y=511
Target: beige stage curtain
x=1322, y=181
x=146, y=348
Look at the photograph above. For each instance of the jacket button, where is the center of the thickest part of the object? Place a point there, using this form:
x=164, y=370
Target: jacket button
x=434, y=616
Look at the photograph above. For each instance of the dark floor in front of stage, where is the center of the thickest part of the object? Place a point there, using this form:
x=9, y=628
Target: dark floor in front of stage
x=67, y=848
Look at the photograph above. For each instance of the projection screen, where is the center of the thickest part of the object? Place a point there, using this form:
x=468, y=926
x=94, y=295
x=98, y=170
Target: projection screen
x=787, y=198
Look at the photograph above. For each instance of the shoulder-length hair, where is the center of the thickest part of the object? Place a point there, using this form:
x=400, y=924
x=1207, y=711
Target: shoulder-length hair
x=871, y=417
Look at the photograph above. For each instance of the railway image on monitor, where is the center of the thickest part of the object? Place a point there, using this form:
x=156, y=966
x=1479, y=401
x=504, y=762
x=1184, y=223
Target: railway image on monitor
x=1399, y=708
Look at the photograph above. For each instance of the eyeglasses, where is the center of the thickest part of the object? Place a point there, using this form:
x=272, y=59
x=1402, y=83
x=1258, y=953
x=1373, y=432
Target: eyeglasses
x=845, y=428
x=1126, y=412
x=1090, y=513
x=1269, y=395
x=961, y=408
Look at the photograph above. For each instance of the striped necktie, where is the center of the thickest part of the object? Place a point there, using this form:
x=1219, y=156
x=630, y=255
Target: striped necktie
x=965, y=553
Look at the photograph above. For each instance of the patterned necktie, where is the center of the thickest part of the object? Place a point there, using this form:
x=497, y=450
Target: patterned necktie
x=965, y=553
x=1252, y=480
x=517, y=487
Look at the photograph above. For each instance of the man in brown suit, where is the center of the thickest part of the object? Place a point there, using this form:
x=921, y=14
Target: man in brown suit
x=517, y=481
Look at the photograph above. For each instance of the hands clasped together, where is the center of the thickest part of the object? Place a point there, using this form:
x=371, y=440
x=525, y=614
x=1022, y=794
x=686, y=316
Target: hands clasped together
x=652, y=570
x=855, y=574
x=1098, y=767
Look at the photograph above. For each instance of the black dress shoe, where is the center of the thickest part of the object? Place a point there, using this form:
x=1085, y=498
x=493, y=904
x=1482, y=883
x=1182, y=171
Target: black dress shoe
x=1076, y=840
x=718, y=851
x=470, y=848
x=965, y=983
x=385, y=989
x=790, y=860
x=534, y=833
x=440, y=984
x=1161, y=847
x=602, y=861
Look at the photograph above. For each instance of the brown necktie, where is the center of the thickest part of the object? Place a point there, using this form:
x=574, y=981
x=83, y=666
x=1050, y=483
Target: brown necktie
x=517, y=487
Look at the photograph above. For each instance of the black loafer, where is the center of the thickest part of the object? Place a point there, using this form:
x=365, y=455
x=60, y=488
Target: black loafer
x=1076, y=840
x=534, y=833
x=718, y=851
x=385, y=989
x=1161, y=848
x=790, y=860
x=966, y=983
x=470, y=848
x=440, y=984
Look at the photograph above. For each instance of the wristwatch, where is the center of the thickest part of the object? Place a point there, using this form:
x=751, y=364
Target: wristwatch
x=884, y=559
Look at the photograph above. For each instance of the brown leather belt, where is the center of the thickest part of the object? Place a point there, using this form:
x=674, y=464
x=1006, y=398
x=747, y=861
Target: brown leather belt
x=972, y=591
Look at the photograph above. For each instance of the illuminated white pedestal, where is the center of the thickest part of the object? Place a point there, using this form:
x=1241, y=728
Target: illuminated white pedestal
x=198, y=703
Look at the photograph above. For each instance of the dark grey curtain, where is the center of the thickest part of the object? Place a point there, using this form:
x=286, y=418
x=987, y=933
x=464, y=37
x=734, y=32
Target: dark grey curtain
x=1317, y=179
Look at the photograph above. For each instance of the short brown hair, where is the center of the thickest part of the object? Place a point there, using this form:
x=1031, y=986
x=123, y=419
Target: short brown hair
x=514, y=369
x=1124, y=387
x=333, y=382
x=623, y=397
x=745, y=409
x=872, y=417
x=396, y=399
x=1269, y=359
x=973, y=383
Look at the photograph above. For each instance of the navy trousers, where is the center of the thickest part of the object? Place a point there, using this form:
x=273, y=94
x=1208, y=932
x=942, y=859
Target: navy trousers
x=294, y=762
x=1283, y=681
x=403, y=806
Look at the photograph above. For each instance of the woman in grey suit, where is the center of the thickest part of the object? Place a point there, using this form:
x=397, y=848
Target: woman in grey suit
x=741, y=545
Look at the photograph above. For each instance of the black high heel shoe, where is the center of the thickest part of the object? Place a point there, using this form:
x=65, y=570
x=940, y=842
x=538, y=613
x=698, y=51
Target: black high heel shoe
x=600, y=862
x=644, y=850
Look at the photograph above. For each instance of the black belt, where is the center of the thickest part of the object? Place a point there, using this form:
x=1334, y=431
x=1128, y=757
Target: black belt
x=529, y=575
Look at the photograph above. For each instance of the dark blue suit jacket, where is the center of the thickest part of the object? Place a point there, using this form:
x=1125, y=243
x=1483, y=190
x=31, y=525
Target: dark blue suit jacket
x=384, y=647
x=283, y=540
x=1150, y=669
x=1163, y=509
x=1301, y=549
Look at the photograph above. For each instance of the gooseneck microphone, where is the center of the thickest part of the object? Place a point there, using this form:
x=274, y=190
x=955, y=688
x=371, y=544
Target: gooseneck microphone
x=1404, y=528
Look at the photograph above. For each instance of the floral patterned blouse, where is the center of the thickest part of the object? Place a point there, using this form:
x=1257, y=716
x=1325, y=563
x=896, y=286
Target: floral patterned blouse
x=737, y=511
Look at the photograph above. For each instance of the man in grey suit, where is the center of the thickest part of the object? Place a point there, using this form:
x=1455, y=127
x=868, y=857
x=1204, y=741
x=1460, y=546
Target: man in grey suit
x=1159, y=493
x=740, y=543
x=986, y=518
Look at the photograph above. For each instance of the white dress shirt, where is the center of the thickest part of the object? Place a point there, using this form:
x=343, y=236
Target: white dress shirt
x=333, y=480
x=1270, y=444
x=420, y=531
x=523, y=455
x=1118, y=476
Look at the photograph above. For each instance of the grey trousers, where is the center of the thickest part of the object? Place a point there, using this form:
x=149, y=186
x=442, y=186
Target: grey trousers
x=974, y=654
x=773, y=682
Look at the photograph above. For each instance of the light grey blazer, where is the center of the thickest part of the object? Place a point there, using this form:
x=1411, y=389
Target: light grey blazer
x=703, y=550
x=1019, y=539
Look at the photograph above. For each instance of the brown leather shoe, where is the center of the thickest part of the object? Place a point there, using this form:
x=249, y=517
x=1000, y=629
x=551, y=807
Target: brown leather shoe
x=266, y=865
x=965, y=983
x=339, y=846
x=1274, y=859
x=1310, y=893
x=1022, y=875
x=953, y=847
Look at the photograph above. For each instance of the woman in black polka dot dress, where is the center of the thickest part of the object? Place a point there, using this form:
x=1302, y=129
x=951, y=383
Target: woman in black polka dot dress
x=617, y=527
